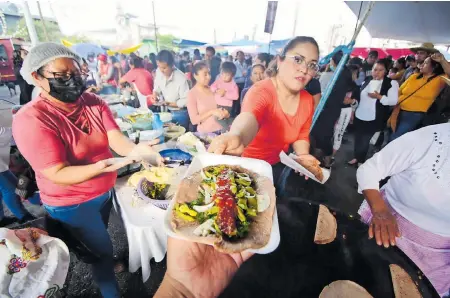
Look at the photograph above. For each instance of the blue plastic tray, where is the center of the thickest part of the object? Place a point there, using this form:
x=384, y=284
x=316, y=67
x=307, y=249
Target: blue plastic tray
x=176, y=154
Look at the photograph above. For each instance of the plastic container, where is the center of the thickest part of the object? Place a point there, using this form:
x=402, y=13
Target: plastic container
x=258, y=166
x=163, y=204
x=158, y=125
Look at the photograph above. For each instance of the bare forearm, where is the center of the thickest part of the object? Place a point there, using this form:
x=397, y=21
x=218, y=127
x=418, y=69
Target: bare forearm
x=446, y=66
x=202, y=117
x=246, y=126
x=76, y=174
x=120, y=143
x=301, y=147
x=373, y=197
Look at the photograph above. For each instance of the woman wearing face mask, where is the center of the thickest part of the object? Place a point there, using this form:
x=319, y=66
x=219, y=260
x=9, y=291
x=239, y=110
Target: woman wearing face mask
x=378, y=92
x=277, y=112
x=65, y=135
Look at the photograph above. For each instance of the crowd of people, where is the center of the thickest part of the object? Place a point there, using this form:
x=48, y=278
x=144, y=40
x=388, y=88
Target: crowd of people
x=258, y=106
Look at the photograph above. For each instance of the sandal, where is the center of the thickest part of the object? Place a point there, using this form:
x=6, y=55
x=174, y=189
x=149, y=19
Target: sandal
x=353, y=162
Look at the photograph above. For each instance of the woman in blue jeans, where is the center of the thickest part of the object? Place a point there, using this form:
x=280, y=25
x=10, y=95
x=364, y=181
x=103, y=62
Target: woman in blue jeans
x=66, y=135
x=8, y=184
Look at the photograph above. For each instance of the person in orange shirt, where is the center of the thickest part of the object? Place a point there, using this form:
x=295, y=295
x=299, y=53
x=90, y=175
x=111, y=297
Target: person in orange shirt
x=277, y=112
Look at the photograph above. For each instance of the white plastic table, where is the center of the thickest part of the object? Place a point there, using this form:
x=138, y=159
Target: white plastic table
x=144, y=224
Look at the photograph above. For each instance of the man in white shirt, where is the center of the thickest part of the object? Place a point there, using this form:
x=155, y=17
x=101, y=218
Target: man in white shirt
x=171, y=86
x=412, y=209
x=170, y=82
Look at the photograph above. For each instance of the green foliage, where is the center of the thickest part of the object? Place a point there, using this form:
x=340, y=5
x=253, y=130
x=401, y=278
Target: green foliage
x=54, y=34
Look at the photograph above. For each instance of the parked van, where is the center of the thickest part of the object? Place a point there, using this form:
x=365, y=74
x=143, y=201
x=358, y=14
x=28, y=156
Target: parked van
x=7, y=47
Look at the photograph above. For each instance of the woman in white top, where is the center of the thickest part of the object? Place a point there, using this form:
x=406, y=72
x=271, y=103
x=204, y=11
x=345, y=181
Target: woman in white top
x=412, y=210
x=378, y=92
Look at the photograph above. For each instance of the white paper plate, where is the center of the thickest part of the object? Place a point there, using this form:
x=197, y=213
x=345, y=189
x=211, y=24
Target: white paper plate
x=290, y=162
x=146, y=135
x=258, y=166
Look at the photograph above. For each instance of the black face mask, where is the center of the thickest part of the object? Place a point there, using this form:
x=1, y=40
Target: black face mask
x=67, y=91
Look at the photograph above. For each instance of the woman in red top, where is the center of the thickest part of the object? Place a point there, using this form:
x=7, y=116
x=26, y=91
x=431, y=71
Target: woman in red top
x=65, y=134
x=277, y=112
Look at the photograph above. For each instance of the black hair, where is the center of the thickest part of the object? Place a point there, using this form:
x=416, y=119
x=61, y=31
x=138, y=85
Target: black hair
x=196, y=68
x=137, y=62
x=165, y=56
x=437, y=70
x=273, y=68
x=211, y=49
x=394, y=69
x=355, y=61
x=402, y=62
x=337, y=57
x=237, y=53
x=385, y=62
x=152, y=58
x=114, y=59
x=186, y=54
x=123, y=56
x=373, y=53
x=265, y=58
x=228, y=67
x=90, y=55
x=258, y=65
x=353, y=67
x=298, y=40
x=410, y=59
x=197, y=52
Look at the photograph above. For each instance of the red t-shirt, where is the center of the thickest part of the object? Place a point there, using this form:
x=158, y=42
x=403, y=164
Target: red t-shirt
x=142, y=78
x=47, y=136
x=277, y=130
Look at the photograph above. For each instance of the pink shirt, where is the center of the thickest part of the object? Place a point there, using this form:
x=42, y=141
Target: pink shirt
x=142, y=78
x=199, y=103
x=47, y=136
x=232, y=92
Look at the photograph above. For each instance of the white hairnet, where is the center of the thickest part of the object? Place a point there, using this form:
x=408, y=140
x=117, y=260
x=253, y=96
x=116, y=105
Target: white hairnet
x=42, y=54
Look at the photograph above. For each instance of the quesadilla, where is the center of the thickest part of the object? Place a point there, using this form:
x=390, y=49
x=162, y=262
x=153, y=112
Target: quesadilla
x=404, y=286
x=313, y=167
x=326, y=227
x=344, y=289
x=226, y=206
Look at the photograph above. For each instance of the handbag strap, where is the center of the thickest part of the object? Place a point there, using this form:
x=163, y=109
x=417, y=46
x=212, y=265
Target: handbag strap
x=429, y=80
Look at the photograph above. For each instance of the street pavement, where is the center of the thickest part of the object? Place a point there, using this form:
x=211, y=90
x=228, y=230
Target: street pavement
x=339, y=192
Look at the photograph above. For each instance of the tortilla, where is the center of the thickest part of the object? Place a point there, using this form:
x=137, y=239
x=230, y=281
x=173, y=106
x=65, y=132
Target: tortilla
x=260, y=228
x=344, y=289
x=326, y=227
x=404, y=287
x=314, y=168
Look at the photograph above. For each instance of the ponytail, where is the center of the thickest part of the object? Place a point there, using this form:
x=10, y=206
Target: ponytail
x=195, y=69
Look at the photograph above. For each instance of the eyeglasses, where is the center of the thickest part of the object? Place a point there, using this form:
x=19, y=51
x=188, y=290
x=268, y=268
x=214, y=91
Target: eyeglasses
x=312, y=66
x=66, y=76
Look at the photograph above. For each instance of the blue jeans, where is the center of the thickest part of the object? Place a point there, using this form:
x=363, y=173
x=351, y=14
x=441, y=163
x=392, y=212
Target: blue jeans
x=407, y=121
x=88, y=222
x=8, y=184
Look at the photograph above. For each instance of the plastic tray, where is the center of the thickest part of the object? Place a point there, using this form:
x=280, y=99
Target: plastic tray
x=258, y=166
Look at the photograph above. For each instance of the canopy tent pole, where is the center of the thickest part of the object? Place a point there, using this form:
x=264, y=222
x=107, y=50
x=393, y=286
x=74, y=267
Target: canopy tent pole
x=347, y=51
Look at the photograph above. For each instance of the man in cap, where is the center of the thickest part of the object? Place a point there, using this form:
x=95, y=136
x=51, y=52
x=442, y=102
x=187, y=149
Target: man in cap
x=423, y=52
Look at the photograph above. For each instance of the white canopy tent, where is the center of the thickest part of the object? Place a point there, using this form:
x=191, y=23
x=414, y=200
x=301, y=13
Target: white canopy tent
x=418, y=21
